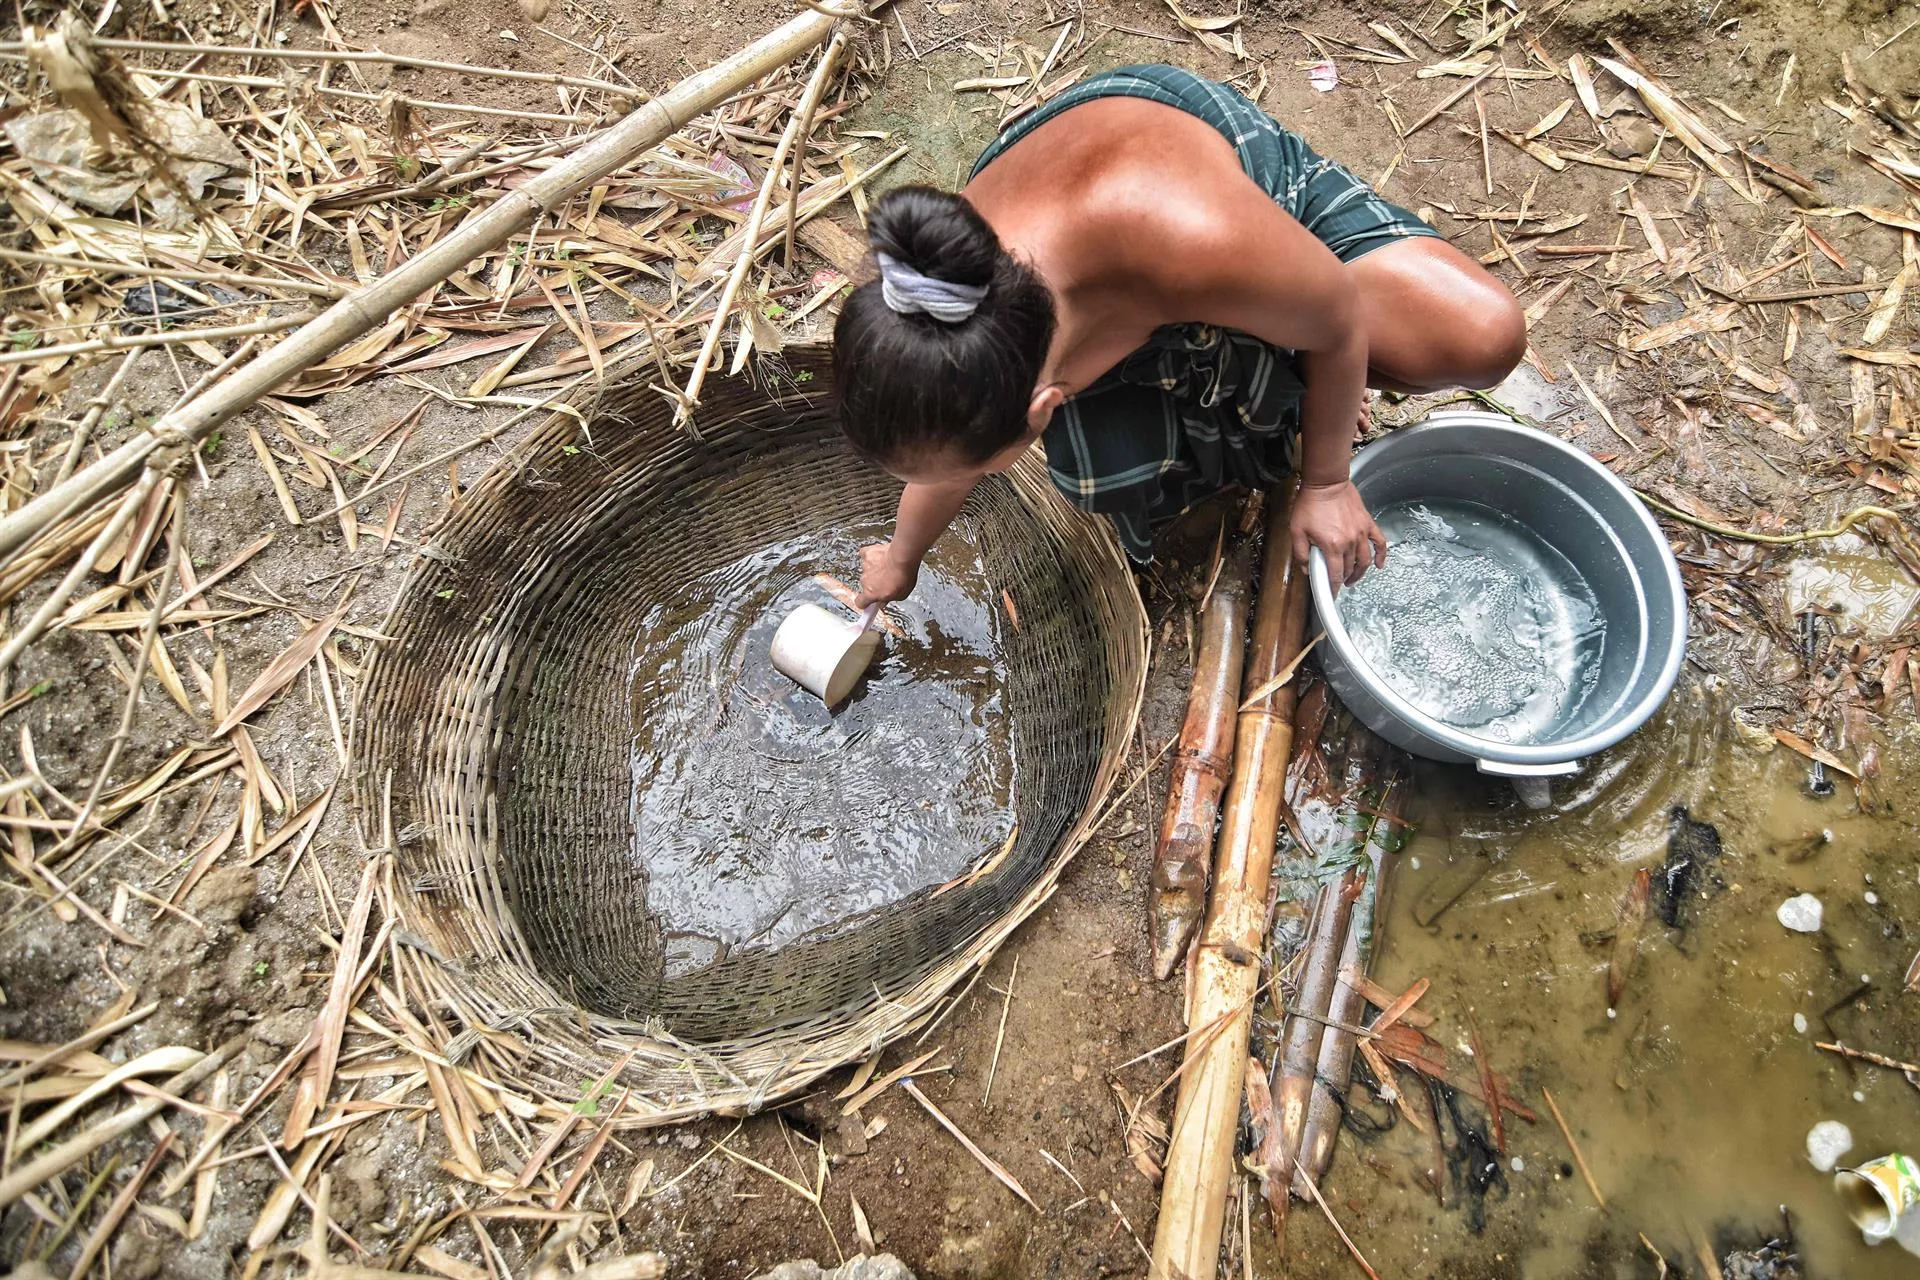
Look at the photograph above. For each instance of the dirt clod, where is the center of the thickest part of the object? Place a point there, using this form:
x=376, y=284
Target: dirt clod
x=224, y=896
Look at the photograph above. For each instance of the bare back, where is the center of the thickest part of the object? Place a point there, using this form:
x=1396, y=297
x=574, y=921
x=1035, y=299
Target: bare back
x=1138, y=215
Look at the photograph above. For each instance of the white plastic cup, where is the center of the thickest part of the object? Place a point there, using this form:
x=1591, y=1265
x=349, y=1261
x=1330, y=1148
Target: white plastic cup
x=823, y=652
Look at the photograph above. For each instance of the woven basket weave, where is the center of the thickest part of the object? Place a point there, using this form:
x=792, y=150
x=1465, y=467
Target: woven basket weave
x=493, y=729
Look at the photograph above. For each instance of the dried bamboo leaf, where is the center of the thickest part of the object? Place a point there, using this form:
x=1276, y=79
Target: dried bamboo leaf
x=1551, y=121
x=1583, y=87
x=1789, y=738
x=170, y=1060
x=1903, y=359
x=1712, y=319
x=332, y=1022
x=1707, y=146
x=1197, y=24
x=1887, y=309
x=887, y=1081
x=281, y=671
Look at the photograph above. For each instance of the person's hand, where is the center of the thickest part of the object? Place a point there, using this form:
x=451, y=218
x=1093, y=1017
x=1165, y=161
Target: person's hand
x=1333, y=518
x=884, y=576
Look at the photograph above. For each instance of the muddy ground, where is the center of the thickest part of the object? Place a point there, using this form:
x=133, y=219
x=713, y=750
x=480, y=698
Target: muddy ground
x=253, y=953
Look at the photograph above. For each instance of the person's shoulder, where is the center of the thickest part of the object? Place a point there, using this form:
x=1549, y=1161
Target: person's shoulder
x=1167, y=214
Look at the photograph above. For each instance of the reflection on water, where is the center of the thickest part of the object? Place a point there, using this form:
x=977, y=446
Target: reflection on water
x=1692, y=1104
x=759, y=815
x=1867, y=592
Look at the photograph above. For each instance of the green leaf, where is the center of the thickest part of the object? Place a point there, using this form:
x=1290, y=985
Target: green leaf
x=591, y=1093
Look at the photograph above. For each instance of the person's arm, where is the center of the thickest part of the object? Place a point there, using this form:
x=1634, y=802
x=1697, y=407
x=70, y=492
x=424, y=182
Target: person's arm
x=1247, y=264
x=1327, y=511
x=888, y=570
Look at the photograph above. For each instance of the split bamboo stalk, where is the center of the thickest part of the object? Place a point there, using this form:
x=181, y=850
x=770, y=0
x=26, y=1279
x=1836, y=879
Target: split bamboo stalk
x=1199, y=1164
x=14, y=47
x=1333, y=1070
x=164, y=338
x=803, y=113
x=1201, y=763
x=1300, y=1047
x=368, y=307
x=1356, y=754
x=828, y=61
x=171, y=273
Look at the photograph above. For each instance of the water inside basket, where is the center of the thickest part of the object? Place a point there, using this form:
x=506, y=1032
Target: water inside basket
x=759, y=815
x=1477, y=621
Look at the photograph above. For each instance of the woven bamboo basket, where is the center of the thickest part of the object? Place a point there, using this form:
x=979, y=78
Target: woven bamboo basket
x=492, y=736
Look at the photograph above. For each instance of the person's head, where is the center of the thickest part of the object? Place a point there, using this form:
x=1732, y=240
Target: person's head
x=937, y=361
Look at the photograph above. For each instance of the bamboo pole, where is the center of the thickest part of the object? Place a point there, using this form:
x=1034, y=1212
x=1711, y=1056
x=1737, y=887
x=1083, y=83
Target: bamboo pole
x=802, y=115
x=368, y=307
x=1186, y=1243
x=1293, y=1072
x=1201, y=763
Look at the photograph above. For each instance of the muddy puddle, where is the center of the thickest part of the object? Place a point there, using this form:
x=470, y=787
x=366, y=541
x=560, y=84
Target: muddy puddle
x=758, y=814
x=1692, y=1100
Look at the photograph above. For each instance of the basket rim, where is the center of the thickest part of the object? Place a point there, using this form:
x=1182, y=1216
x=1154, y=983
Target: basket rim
x=549, y=1052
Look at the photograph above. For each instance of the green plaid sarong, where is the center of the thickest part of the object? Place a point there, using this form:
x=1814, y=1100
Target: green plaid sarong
x=1200, y=406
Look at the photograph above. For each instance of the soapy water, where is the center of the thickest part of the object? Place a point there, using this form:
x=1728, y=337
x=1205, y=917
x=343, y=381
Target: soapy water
x=1476, y=621
x=760, y=815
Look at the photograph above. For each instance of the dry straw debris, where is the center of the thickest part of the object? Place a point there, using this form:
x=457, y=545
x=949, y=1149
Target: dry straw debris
x=183, y=207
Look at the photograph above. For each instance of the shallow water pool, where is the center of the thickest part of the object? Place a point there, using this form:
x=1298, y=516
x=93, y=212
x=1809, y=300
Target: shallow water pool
x=1692, y=1103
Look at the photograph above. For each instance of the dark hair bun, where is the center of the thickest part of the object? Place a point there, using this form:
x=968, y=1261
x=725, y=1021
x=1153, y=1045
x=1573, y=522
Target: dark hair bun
x=912, y=386
x=937, y=233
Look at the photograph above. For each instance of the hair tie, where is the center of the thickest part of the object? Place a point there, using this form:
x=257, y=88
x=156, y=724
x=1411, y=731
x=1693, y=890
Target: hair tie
x=909, y=292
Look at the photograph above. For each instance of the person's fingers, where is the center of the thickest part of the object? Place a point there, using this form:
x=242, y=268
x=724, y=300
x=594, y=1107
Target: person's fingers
x=1379, y=541
x=1301, y=544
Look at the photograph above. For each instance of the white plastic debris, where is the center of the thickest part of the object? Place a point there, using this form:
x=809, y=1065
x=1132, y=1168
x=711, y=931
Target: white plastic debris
x=1827, y=1142
x=1801, y=914
x=1800, y=1023
x=1908, y=1233
x=1323, y=76
x=1519, y=1165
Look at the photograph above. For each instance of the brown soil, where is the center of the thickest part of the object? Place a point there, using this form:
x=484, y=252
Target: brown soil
x=1079, y=1006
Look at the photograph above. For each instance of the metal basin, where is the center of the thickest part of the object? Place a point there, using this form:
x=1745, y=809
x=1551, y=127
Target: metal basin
x=1580, y=510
